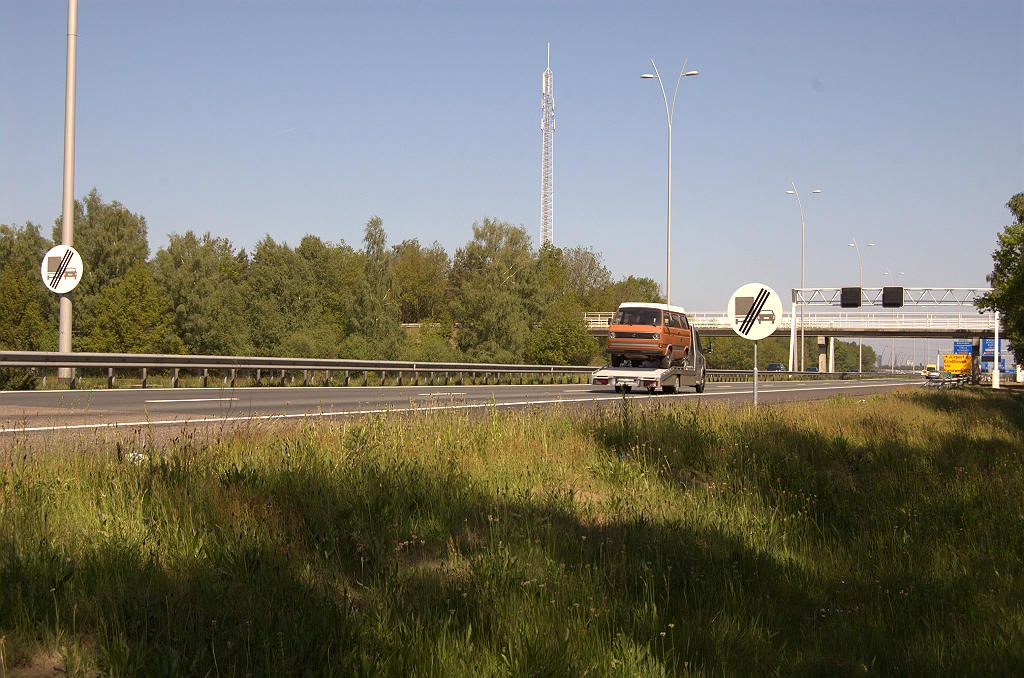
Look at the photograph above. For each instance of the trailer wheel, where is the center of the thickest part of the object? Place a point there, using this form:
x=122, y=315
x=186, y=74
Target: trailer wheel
x=699, y=386
x=666, y=360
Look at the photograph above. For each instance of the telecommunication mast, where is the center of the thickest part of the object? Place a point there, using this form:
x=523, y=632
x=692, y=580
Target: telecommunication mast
x=547, y=126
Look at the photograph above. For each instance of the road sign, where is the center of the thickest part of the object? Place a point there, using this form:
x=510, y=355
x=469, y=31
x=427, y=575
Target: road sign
x=988, y=347
x=956, y=363
x=61, y=269
x=962, y=347
x=755, y=311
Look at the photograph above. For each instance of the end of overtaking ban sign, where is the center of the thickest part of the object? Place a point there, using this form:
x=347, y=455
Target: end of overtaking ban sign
x=755, y=311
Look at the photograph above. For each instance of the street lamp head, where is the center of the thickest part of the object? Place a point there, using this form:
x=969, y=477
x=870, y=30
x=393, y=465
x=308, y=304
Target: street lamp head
x=647, y=75
x=790, y=192
x=817, y=190
x=690, y=73
x=850, y=245
x=870, y=244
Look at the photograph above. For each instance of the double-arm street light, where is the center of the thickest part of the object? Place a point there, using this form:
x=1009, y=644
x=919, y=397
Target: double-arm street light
x=802, y=204
x=669, y=112
x=860, y=261
x=892, y=281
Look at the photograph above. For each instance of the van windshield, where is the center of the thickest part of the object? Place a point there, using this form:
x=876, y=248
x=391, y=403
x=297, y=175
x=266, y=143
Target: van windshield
x=637, y=316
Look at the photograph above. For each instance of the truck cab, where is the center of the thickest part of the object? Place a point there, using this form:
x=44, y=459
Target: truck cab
x=641, y=332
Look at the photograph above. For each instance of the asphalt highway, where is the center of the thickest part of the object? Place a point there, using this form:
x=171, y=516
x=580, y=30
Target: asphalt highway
x=25, y=411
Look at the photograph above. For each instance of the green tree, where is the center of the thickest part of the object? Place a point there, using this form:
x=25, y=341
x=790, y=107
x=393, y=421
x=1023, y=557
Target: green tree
x=1007, y=277
x=422, y=277
x=26, y=311
x=496, y=285
x=377, y=316
x=633, y=289
x=132, y=315
x=288, y=300
x=203, y=277
x=111, y=239
x=587, y=279
x=561, y=338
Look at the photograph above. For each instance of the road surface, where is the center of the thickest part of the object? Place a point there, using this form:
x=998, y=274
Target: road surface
x=82, y=410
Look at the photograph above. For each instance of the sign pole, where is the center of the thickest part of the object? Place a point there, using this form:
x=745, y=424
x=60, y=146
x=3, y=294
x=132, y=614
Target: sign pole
x=995, y=356
x=67, y=219
x=755, y=373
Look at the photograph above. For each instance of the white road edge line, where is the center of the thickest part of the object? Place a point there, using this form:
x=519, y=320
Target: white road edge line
x=384, y=410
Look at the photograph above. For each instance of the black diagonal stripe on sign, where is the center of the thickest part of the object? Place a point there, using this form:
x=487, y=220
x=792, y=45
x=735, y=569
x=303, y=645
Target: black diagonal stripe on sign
x=59, y=273
x=755, y=310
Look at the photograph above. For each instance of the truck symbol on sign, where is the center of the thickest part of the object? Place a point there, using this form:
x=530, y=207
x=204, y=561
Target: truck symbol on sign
x=743, y=305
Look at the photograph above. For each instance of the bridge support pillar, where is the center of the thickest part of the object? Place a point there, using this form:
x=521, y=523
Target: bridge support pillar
x=822, y=354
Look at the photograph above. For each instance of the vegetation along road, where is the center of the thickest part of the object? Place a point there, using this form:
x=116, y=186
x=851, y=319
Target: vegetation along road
x=877, y=535
x=46, y=410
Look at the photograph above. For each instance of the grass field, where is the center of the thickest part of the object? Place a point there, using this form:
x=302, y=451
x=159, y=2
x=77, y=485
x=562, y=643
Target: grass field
x=844, y=537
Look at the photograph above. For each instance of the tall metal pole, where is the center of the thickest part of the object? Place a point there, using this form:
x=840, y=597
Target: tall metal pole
x=995, y=355
x=802, y=205
x=669, y=113
x=67, y=217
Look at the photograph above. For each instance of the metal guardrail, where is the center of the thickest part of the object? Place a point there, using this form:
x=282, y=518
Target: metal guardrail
x=231, y=365
x=765, y=375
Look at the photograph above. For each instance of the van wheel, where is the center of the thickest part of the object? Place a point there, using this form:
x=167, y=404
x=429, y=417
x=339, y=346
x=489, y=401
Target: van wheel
x=666, y=360
x=616, y=360
x=699, y=386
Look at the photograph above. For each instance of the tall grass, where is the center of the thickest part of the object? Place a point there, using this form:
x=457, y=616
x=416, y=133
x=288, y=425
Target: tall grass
x=845, y=537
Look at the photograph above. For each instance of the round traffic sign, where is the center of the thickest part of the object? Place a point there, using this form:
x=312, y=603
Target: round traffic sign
x=755, y=311
x=61, y=269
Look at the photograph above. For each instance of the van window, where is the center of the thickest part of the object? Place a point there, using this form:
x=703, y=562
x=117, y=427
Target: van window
x=637, y=316
x=685, y=324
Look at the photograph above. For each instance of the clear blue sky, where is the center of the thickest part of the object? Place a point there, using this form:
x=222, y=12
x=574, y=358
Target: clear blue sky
x=246, y=118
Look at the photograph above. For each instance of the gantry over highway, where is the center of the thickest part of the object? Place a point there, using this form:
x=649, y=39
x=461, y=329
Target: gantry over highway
x=957, y=319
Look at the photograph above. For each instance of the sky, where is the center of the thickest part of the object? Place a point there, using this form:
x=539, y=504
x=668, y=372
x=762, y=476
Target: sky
x=248, y=119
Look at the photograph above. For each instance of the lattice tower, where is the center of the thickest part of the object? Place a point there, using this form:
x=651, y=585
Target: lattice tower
x=547, y=126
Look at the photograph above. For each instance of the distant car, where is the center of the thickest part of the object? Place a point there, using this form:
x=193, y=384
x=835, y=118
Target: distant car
x=812, y=368
x=775, y=367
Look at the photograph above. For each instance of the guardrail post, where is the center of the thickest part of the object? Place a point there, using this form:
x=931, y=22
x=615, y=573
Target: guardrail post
x=174, y=378
x=383, y=377
x=282, y=377
x=206, y=377
x=305, y=377
x=232, y=377
x=398, y=381
x=110, y=377
x=78, y=377
x=461, y=379
x=366, y=376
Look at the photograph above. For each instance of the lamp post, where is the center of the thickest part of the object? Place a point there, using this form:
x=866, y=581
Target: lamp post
x=669, y=113
x=860, y=261
x=802, y=205
x=892, y=281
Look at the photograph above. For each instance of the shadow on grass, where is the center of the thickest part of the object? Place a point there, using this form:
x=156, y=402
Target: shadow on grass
x=335, y=558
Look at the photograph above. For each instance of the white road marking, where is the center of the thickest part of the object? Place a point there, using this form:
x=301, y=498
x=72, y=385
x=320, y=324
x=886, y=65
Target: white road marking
x=399, y=410
x=190, y=400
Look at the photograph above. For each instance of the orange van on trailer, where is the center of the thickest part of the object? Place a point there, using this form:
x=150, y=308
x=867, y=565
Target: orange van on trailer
x=641, y=332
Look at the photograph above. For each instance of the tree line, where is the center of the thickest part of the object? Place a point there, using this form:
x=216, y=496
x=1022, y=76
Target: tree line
x=497, y=299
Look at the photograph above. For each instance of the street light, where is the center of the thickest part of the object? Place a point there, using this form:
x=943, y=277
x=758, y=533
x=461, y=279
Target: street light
x=860, y=260
x=802, y=205
x=892, y=281
x=669, y=112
